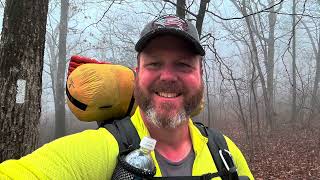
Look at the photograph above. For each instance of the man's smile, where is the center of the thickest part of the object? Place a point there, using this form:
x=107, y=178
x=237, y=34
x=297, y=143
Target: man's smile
x=168, y=95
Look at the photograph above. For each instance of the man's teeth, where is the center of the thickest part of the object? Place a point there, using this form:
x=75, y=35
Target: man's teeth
x=167, y=95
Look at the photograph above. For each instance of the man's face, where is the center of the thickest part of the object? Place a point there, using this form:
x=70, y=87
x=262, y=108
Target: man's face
x=169, y=83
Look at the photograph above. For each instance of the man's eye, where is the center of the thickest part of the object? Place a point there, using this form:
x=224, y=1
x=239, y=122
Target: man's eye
x=153, y=65
x=184, y=65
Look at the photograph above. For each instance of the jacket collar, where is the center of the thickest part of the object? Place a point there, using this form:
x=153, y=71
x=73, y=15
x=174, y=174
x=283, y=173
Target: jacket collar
x=198, y=141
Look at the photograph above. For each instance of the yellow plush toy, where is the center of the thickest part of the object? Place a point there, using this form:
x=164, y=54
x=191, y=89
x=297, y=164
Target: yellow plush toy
x=98, y=92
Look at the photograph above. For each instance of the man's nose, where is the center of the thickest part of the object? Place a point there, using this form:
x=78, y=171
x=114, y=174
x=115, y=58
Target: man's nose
x=168, y=74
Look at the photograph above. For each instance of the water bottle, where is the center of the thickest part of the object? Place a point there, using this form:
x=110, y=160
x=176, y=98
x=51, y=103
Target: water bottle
x=138, y=164
x=141, y=158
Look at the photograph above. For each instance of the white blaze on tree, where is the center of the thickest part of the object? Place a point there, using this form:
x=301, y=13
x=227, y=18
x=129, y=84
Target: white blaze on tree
x=21, y=91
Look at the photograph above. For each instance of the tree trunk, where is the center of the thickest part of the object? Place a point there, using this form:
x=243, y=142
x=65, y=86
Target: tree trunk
x=207, y=96
x=270, y=67
x=51, y=41
x=315, y=101
x=201, y=14
x=21, y=63
x=294, y=81
x=60, y=111
x=180, y=10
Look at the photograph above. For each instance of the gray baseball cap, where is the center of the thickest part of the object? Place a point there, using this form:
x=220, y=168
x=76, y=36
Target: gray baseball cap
x=173, y=25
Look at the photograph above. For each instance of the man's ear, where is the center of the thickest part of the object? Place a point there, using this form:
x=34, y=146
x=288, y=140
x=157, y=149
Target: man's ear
x=201, y=65
x=138, y=63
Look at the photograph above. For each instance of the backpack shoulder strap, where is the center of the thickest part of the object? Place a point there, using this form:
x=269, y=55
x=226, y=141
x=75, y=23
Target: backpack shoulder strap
x=216, y=142
x=220, y=153
x=125, y=133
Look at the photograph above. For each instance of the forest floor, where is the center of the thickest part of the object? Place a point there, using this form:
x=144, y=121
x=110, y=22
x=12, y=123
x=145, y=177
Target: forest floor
x=286, y=153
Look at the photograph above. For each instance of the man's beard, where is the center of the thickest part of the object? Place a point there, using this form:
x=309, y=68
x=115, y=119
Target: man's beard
x=172, y=120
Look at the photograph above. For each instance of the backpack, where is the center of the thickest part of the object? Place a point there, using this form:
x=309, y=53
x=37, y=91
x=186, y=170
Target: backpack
x=128, y=139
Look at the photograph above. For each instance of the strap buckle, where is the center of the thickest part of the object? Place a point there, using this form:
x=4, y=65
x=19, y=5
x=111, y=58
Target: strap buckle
x=228, y=162
x=226, y=159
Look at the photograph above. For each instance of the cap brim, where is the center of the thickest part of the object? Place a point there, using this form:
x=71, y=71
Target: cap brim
x=143, y=41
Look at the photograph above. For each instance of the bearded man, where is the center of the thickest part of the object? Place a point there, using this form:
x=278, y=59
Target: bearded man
x=168, y=88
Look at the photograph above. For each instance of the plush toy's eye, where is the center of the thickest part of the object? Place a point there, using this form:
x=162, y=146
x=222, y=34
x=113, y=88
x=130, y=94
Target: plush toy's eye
x=104, y=107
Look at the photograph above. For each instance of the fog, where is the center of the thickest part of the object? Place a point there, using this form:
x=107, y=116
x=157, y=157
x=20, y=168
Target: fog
x=262, y=66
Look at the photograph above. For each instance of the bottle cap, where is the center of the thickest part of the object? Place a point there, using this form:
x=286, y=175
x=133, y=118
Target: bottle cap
x=148, y=143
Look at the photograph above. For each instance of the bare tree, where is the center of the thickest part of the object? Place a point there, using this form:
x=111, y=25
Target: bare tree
x=267, y=43
x=60, y=110
x=231, y=78
x=315, y=101
x=21, y=54
x=294, y=73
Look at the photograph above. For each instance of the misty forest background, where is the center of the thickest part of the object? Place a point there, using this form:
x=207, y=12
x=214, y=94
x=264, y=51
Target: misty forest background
x=262, y=71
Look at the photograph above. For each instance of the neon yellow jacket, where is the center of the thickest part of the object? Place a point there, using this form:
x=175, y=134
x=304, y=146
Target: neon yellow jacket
x=92, y=154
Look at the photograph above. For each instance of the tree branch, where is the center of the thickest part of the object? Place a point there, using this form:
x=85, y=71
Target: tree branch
x=251, y=14
x=175, y=4
x=99, y=19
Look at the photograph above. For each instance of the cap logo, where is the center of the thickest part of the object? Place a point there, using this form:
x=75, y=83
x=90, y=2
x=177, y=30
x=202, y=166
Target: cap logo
x=170, y=22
